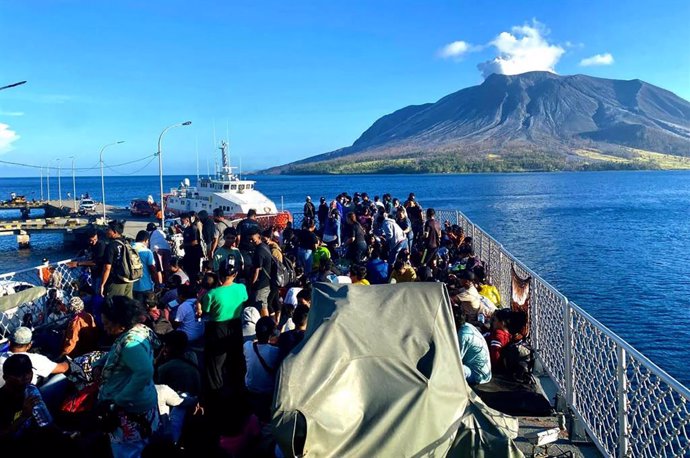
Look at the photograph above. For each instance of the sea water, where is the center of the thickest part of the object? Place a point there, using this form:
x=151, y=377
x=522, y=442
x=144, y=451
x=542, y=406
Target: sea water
x=615, y=243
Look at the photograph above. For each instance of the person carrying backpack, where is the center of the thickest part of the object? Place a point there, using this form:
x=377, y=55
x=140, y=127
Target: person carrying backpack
x=277, y=254
x=122, y=264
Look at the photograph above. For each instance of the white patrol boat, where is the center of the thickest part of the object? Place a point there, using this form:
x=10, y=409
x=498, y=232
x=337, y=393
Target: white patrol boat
x=226, y=191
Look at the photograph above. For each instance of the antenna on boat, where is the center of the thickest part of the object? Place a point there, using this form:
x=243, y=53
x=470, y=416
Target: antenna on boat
x=208, y=170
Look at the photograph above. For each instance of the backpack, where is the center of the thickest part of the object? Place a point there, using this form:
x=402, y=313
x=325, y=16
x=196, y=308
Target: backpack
x=130, y=269
x=283, y=272
x=518, y=358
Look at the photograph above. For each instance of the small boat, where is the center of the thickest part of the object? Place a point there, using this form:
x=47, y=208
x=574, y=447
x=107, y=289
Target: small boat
x=228, y=192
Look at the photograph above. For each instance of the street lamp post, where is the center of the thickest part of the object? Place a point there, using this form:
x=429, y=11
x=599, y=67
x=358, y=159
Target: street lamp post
x=59, y=186
x=160, y=166
x=48, y=180
x=102, y=179
x=74, y=186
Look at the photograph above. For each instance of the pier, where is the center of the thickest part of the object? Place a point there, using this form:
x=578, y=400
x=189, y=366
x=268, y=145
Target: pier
x=70, y=224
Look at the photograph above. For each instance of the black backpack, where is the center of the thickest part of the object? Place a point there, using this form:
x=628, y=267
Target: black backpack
x=283, y=273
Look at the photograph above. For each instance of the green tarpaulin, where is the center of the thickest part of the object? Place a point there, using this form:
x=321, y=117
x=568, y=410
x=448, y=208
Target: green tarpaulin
x=379, y=374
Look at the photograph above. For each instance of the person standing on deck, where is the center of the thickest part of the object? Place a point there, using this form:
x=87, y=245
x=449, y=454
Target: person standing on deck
x=111, y=285
x=245, y=229
x=415, y=213
x=220, y=225
x=150, y=278
x=309, y=210
x=223, y=329
x=208, y=232
x=322, y=215
x=432, y=236
x=160, y=247
x=260, y=282
x=193, y=253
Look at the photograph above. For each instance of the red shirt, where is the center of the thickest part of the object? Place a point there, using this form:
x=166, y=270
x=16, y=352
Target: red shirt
x=497, y=340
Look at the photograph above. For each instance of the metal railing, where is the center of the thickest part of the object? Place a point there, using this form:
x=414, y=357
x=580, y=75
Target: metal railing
x=51, y=276
x=628, y=405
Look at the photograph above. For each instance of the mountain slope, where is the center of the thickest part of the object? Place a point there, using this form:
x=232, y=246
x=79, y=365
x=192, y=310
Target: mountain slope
x=519, y=122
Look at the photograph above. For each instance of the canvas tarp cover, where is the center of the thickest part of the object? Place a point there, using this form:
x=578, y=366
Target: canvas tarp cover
x=378, y=374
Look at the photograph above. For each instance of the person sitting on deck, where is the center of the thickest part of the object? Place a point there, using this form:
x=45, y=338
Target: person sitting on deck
x=290, y=339
x=474, y=352
x=263, y=360
x=81, y=335
x=177, y=367
x=485, y=288
x=403, y=272
x=20, y=343
x=357, y=274
x=500, y=337
x=377, y=267
x=23, y=414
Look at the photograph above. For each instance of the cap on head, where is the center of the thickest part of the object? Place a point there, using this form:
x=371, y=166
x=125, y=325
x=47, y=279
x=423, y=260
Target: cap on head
x=308, y=197
x=151, y=227
x=22, y=336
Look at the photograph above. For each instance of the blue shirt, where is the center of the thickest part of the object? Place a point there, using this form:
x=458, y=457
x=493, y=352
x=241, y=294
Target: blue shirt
x=145, y=283
x=377, y=271
x=474, y=353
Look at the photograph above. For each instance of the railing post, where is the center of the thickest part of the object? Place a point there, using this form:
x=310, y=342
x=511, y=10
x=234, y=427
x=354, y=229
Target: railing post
x=457, y=217
x=567, y=352
x=622, y=379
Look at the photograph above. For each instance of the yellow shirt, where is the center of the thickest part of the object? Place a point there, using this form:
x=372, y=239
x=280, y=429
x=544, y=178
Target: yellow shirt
x=363, y=281
x=491, y=292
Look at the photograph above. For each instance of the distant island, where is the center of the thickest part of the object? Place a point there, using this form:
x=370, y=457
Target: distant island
x=536, y=121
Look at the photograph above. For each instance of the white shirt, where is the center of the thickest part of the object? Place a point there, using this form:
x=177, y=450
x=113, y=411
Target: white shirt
x=43, y=366
x=158, y=241
x=167, y=398
x=257, y=379
x=291, y=296
x=190, y=325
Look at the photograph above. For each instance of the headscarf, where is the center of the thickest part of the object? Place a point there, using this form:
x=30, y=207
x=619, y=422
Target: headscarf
x=76, y=305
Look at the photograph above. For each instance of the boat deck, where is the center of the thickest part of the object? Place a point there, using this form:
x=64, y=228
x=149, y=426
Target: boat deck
x=563, y=447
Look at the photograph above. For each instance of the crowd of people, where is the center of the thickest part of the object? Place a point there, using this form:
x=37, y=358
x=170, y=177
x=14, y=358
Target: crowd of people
x=170, y=355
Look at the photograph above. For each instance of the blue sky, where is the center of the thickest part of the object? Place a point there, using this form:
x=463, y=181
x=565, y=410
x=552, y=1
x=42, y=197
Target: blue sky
x=288, y=79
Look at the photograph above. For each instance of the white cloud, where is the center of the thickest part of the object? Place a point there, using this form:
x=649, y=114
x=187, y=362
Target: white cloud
x=597, y=59
x=455, y=49
x=11, y=113
x=521, y=50
x=7, y=137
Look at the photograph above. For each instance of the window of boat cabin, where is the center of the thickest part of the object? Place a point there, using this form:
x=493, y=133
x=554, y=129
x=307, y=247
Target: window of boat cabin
x=234, y=187
x=241, y=187
x=226, y=187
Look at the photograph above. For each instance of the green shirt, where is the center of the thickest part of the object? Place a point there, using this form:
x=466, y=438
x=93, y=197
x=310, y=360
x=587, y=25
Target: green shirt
x=225, y=302
x=222, y=253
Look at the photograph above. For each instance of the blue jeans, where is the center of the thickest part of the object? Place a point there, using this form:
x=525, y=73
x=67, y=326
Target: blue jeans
x=393, y=253
x=305, y=258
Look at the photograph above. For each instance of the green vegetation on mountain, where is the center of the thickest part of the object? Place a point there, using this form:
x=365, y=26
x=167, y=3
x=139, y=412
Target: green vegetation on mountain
x=537, y=121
